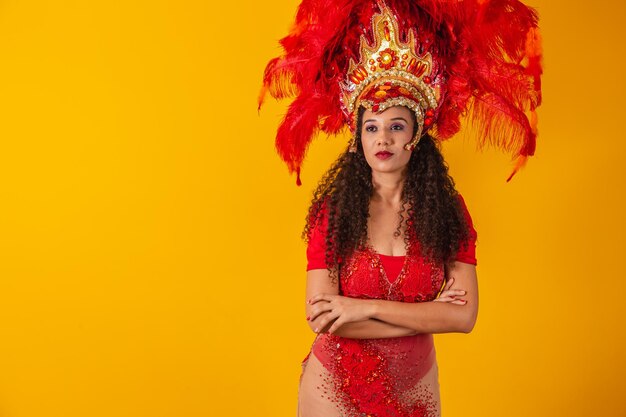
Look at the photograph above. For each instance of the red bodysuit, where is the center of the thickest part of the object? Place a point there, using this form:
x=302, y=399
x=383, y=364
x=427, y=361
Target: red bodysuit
x=391, y=377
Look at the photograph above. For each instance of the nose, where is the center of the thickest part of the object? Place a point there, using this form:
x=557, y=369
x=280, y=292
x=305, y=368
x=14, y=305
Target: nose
x=384, y=139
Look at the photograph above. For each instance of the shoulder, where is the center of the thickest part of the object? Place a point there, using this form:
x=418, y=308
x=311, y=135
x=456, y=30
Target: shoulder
x=316, y=235
x=465, y=211
x=467, y=250
x=317, y=220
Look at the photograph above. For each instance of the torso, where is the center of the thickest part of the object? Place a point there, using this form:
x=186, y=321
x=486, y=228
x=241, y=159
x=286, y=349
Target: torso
x=345, y=377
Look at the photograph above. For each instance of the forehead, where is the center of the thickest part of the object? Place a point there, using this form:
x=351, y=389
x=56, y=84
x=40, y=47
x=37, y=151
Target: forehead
x=388, y=114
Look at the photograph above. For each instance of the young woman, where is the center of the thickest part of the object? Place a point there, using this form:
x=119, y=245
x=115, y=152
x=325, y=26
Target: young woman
x=374, y=351
x=390, y=241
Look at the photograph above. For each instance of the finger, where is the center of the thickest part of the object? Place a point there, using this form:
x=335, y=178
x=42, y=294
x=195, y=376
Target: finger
x=326, y=320
x=325, y=328
x=319, y=309
x=318, y=319
x=451, y=293
x=455, y=292
x=320, y=297
x=443, y=299
x=451, y=301
x=449, y=283
x=317, y=313
x=314, y=298
x=336, y=325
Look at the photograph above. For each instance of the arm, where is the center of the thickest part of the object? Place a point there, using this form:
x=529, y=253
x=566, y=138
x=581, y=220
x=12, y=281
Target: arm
x=435, y=317
x=426, y=317
x=319, y=282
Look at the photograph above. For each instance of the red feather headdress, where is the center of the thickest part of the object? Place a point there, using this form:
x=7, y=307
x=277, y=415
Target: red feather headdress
x=444, y=59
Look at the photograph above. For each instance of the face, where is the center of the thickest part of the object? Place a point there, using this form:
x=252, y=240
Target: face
x=383, y=136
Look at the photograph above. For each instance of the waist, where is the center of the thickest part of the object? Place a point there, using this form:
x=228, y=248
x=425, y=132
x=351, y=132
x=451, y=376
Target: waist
x=417, y=348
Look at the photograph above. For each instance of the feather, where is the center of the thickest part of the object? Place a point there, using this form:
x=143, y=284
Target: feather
x=488, y=52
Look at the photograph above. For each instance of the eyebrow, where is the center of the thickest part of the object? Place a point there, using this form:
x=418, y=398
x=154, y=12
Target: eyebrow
x=395, y=118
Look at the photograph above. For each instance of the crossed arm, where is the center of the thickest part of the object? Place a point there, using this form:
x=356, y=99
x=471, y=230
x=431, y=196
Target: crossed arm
x=455, y=309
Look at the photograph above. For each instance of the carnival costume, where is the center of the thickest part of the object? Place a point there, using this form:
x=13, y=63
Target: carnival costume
x=444, y=60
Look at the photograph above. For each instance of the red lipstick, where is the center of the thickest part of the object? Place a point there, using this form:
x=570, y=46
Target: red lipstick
x=383, y=155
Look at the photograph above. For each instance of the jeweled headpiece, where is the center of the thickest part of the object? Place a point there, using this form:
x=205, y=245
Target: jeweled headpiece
x=390, y=73
x=443, y=59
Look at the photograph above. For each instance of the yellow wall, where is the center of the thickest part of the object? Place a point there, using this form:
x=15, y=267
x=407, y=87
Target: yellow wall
x=150, y=261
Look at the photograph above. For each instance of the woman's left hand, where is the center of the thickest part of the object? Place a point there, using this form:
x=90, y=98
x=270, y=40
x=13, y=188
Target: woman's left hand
x=339, y=309
x=448, y=295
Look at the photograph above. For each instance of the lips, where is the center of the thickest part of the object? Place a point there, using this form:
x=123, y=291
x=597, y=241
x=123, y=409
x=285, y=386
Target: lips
x=383, y=155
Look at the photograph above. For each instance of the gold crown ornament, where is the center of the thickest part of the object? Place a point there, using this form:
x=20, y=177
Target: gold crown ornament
x=391, y=73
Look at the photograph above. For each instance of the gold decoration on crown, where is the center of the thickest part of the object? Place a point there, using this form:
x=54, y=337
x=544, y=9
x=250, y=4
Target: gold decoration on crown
x=390, y=63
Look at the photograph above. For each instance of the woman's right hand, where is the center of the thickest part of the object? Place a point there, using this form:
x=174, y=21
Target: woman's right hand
x=449, y=295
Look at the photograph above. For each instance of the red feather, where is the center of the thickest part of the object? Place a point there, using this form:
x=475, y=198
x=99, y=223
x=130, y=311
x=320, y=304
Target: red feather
x=488, y=51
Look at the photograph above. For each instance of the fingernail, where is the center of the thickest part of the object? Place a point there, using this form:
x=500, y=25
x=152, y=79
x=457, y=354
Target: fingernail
x=465, y=301
x=317, y=329
x=308, y=317
x=308, y=301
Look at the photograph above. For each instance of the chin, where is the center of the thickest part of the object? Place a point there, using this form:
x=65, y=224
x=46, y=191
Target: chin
x=387, y=169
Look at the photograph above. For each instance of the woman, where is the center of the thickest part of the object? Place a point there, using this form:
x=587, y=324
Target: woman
x=390, y=242
x=385, y=191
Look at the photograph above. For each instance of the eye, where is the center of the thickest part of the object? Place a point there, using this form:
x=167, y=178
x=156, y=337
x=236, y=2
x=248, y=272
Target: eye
x=371, y=128
x=397, y=127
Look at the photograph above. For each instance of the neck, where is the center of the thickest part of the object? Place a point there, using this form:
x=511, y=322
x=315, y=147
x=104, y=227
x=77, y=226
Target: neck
x=388, y=186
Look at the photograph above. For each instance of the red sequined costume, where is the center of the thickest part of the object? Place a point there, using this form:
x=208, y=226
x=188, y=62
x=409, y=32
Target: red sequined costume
x=392, y=377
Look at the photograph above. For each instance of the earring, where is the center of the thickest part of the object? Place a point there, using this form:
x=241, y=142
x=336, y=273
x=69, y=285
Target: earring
x=416, y=139
x=412, y=144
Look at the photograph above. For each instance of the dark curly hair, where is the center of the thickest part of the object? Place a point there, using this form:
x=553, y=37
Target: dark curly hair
x=430, y=204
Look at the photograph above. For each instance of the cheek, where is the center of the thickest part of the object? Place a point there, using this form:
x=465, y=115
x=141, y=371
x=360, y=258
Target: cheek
x=367, y=142
x=369, y=149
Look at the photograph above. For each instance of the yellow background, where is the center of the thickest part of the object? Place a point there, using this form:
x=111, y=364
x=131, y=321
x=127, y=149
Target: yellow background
x=150, y=260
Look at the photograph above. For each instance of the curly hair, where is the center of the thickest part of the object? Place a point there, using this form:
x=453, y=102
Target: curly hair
x=431, y=210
